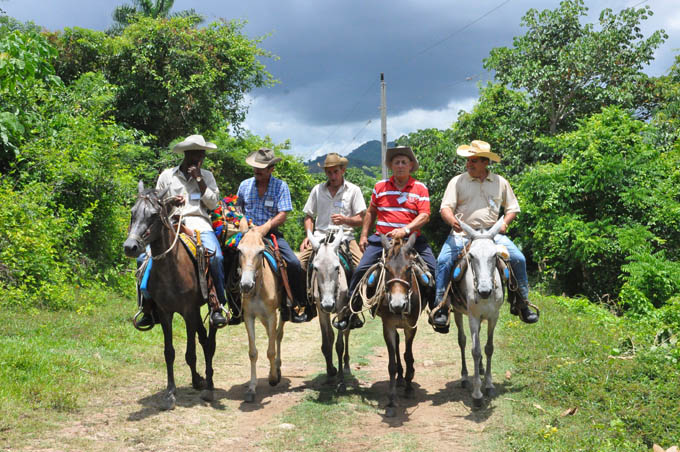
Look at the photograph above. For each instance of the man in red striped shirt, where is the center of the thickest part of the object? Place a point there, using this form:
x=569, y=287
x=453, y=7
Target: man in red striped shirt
x=400, y=206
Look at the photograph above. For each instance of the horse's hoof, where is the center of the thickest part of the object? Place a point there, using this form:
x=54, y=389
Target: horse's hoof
x=477, y=403
x=207, y=395
x=401, y=382
x=168, y=402
x=490, y=392
x=249, y=397
x=390, y=411
x=331, y=371
x=341, y=388
x=409, y=392
x=463, y=383
x=198, y=383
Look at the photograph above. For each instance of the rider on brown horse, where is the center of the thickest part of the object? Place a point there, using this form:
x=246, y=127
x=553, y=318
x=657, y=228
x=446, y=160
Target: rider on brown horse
x=198, y=191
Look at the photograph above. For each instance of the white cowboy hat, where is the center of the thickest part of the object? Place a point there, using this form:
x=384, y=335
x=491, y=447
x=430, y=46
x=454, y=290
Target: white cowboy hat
x=401, y=150
x=333, y=159
x=262, y=158
x=194, y=142
x=478, y=148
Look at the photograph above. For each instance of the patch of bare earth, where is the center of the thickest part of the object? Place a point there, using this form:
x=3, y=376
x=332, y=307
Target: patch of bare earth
x=126, y=415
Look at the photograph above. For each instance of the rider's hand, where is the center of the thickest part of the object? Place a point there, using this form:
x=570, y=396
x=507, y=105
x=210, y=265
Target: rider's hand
x=456, y=226
x=336, y=218
x=363, y=243
x=305, y=244
x=194, y=171
x=503, y=228
x=398, y=233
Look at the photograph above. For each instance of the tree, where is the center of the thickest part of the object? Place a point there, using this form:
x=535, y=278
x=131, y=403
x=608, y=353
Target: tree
x=126, y=14
x=572, y=70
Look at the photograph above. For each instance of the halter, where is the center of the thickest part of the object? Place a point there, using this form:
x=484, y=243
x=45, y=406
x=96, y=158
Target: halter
x=147, y=232
x=471, y=268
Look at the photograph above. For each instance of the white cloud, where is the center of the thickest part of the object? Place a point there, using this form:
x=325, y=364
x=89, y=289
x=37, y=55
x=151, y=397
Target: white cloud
x=310, y=141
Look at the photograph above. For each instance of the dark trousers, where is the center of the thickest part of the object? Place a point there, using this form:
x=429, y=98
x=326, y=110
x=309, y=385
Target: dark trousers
x=373, y=253
x=296, y=276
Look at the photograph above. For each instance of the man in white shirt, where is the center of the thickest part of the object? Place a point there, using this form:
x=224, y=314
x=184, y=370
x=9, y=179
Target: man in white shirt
x=335, y=203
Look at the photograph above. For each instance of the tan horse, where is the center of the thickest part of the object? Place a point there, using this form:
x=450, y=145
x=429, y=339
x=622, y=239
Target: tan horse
x=261, y=296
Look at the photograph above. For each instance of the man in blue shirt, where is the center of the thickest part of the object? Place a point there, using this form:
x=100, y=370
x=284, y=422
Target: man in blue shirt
x=266, y=198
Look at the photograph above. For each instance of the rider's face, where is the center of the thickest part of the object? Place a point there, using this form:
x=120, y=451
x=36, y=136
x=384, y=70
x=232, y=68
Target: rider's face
x=476, y=166
x=335, y=174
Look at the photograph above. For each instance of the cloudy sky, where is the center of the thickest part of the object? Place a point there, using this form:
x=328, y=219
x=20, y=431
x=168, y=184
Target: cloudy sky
x=331, y=53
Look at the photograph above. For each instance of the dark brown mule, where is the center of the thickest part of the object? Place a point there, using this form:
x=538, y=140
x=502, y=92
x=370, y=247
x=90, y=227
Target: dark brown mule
x=399, y=308
x=174, y=286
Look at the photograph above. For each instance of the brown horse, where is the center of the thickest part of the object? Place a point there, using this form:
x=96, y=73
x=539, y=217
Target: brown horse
x=261, y=296
x=399, y=308
x=174, y=287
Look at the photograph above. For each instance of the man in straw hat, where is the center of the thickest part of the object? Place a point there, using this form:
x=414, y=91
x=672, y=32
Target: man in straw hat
x=263, y=198
x=334, y=203
x=399, y=207
x=476, y=197
x=197, y=193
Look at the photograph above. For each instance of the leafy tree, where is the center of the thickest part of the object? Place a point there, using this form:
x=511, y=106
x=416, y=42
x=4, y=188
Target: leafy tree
x=126, y=14
x=613, y=199
x=571, y=70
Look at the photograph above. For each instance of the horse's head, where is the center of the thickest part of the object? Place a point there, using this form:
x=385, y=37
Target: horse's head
x=251, y=254
x=148, y=215
x=398, y=273
x=328, y=270
x=482, y=256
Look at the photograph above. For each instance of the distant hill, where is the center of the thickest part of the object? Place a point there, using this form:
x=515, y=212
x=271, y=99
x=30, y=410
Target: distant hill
x=368, y=154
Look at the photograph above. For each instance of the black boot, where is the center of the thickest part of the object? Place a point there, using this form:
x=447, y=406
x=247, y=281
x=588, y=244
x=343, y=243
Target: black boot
x=217, y=319
x=527, y=315
x=298, y=315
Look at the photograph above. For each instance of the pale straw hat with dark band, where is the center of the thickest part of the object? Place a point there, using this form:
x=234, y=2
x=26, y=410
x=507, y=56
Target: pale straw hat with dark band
x=478, y=148
x=262, y=158
x=194, y=142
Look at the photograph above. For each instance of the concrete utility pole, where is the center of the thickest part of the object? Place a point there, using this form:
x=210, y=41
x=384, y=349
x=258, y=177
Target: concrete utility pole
x=383, y=125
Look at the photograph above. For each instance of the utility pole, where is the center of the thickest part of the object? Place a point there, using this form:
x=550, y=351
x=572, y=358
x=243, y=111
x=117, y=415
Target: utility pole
x=383, y=125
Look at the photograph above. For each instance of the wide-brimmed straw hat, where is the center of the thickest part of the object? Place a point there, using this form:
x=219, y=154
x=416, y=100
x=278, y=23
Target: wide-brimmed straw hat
x=262, y=158
x=401, y=150
x=194, y=142
x=478, y=148
x=333, y=159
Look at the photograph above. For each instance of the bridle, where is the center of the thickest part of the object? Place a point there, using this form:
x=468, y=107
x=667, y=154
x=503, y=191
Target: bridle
x=143, y=240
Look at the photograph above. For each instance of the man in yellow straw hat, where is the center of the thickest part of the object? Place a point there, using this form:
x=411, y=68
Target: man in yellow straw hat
x=336, y=203
x=476, y=197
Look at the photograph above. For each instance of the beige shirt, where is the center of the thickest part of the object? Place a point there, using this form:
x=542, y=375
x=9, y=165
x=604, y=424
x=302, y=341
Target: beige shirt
x=478, y=203
x=196, y=206
x=348, y=201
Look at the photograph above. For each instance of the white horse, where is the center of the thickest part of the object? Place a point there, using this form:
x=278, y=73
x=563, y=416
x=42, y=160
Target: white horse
x=482, y=290
x=329, y=291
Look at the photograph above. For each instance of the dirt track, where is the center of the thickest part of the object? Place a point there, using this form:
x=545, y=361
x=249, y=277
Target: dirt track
x=126, y=417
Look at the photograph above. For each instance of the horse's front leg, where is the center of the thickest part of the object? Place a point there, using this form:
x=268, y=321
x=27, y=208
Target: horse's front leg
x=458, y=317
x=489, y=388
x=342, y=349
x=168, y=402
x=475, y=324
x=327, y=337
x=391, y=341
x=409, y=335
x=192, y=323
x=273, y=349
x=252, y=354
x=207, y=341
x=400, y=368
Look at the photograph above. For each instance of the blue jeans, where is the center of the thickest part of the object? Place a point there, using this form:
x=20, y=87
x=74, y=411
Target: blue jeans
x=211, y=244
x=453, y=245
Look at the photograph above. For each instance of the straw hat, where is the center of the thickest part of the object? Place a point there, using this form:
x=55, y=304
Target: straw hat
x=194, y=142
x=401, y=150
x=262, y=158
x=478, y=148
x=333, y=159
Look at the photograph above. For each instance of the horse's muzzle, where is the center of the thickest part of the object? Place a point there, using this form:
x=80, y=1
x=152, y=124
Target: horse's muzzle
x=398, y=304
x=132, y=248
x=247, y=282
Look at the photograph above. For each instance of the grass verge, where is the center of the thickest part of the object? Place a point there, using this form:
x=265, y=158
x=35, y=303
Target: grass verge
x=585, y=380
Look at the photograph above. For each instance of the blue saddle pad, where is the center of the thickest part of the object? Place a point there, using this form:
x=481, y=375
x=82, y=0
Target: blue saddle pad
x=144, y=286
x=271, y=260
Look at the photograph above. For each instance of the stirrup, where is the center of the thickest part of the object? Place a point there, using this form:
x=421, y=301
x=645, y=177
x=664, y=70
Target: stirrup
x=208, y=316
x=143, y=328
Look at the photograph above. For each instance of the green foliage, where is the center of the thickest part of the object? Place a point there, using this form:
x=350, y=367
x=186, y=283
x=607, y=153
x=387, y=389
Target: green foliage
x=126, y=14
x=571, y=70
x=174, y=79
x=613, y=199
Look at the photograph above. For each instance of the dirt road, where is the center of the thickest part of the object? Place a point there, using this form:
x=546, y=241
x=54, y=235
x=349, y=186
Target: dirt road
x=125, y=415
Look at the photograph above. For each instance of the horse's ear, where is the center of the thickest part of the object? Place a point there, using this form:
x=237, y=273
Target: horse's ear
x=468, y=230
x=495, y=228
x=409, y=244
x=339, y=236
x=243, y=224
x=385, y=241
x=140, y=187
x=315, y=243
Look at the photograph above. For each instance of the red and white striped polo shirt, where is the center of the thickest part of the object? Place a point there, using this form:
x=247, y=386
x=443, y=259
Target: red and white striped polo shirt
x=397, y=208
